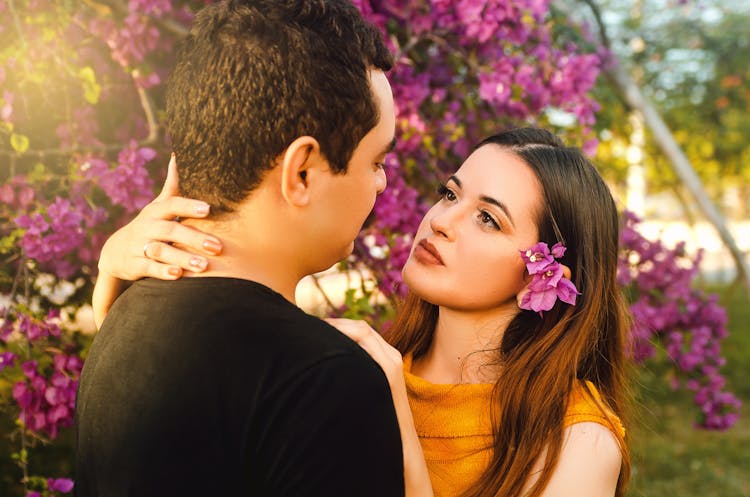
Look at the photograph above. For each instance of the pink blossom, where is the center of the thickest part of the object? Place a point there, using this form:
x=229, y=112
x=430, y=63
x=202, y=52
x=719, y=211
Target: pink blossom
x=547, y=282
x=64, y=485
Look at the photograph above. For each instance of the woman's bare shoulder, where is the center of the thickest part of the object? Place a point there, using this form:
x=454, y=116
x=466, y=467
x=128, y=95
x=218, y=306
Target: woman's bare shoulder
x=589, y=463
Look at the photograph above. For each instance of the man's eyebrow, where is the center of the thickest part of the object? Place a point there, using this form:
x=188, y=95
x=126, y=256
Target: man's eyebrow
x=389, y=148
x=488, y=200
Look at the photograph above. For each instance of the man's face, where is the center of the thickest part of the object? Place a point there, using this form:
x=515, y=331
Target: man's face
x=350, y=197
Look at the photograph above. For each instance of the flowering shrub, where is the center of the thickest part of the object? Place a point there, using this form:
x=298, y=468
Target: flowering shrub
x=667, y=310
x=81, y=108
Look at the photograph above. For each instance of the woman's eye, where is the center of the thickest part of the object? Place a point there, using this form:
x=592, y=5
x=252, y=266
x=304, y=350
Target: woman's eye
x=380, y=165
x=486, y=219
x=446, y=193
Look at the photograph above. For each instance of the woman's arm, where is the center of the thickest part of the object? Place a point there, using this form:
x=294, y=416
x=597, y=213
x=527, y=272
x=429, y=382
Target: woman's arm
x=143, y=247
x=416, y=477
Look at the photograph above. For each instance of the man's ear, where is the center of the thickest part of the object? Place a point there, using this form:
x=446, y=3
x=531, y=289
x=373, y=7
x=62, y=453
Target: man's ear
x=296, y=163
x=527, y=280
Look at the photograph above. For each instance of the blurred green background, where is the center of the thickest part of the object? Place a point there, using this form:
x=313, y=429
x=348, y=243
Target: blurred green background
x=670, y=457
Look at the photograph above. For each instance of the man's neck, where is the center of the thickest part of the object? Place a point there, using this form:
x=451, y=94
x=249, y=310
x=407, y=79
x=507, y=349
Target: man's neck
x=248, y=257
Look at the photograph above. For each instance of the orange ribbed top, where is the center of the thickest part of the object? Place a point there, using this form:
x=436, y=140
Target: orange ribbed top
x=455, y=431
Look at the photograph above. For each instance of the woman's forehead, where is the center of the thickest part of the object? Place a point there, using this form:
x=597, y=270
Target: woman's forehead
x=494, y=171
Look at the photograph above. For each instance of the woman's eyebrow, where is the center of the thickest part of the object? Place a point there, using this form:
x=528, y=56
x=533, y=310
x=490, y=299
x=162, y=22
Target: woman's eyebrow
x=488, y=200
x=502, y=206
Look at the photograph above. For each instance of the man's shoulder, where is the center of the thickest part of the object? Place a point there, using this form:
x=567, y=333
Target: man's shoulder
x=199, y=300
x=236, y=318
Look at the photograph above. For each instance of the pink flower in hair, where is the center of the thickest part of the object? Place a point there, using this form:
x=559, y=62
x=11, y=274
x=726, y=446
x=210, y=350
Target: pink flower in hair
x=548, y=282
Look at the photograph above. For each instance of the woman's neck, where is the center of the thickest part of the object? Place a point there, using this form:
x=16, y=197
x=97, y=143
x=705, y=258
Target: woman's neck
x=464, y=346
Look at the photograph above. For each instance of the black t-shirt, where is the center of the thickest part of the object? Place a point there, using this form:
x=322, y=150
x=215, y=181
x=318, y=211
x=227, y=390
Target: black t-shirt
x=220, y=386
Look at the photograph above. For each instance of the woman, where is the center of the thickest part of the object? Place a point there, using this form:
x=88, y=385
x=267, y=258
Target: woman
x=512, y=392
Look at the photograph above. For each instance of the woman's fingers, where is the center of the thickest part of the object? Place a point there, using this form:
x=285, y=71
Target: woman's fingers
x=159, y=232
x=171, y=184
x=373, y=343
x=173, y=207
x=160, y=252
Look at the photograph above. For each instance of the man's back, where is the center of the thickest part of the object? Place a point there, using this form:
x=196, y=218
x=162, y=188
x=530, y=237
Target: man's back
x=219, y=386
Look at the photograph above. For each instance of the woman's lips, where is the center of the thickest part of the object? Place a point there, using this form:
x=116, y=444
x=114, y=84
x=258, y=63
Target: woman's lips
x=426, y=253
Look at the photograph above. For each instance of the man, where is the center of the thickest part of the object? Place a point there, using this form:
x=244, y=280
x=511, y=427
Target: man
x=280, y=117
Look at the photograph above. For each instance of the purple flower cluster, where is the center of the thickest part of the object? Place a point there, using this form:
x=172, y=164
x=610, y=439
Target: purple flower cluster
x=395, y=208
x=156, y=8
x=128, y=184
x=55, y=235
x=7, y=360
x=51, y=236
x=17, y=195
x=35, y=329
x=398, y=212
x=131, y=43
x=547, y=283
x=689, y=323
x=48, y=403
x=513, y=83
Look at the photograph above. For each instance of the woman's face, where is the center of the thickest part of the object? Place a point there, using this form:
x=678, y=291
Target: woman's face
x=466, y=252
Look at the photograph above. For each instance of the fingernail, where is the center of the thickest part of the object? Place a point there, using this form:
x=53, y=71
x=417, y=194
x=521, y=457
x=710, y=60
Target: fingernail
x=173, y=271
x=213, y=246
x=201, y=208
x=198, y=263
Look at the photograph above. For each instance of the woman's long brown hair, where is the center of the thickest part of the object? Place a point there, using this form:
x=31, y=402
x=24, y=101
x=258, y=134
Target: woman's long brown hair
x=542, y=357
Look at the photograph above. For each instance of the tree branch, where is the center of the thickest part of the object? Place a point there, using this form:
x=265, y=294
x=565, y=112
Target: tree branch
x=597, y=13
x=148, y=110
x=323, y=292
x=17, y=23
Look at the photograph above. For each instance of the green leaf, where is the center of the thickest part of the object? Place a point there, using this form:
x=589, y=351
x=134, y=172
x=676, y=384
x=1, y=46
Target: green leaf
x=20, y=143
x=9, y=243
x=357, y=308
x=91, y=88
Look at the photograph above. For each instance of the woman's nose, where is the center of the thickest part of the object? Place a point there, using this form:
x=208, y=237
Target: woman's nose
x=443, y=223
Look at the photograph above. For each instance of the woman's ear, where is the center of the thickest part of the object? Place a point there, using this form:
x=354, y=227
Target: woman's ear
x=521, y=293
x=296, y=163
x=566, y=271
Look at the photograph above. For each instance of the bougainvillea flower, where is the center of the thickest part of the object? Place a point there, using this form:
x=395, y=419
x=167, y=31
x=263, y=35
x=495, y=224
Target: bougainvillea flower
x=63, y=485
x=548, y=283
x=537, y=258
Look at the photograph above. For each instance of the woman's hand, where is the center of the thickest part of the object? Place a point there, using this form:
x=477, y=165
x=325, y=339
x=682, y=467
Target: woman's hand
x=143, y=247
x=416, y=476
x=387, y=357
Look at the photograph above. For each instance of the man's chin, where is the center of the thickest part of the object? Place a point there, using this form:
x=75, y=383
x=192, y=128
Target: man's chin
x=348, y=251
x=331, y=263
